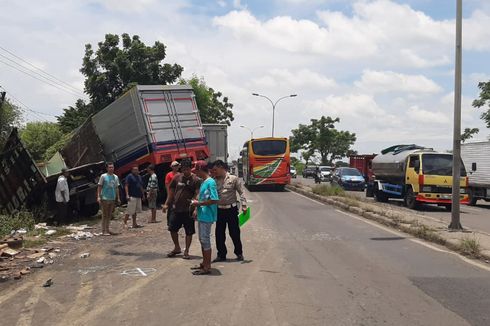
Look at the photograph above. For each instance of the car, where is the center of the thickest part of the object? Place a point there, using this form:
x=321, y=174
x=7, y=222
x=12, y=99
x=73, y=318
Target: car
x=326, y=173
x=348, y=179
x=292, y=170
x=309, y=171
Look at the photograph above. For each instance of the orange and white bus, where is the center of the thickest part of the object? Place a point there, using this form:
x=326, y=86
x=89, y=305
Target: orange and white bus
x=266, y=161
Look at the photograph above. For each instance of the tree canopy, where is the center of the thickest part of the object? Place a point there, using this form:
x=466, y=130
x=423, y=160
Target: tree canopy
x=322, y=138
x=213, y=106
x=39, y=136
x=484, y=100
x=10, y=116
x=74, y=116
x=468, y=133
x=119, y=63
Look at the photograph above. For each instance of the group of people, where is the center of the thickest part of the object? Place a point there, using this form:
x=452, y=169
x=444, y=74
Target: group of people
x=200, y=191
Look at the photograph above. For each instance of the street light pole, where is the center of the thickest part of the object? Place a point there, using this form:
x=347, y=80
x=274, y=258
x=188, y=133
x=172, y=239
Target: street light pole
x=251, y=130
x=455, y=210
x=274, y=104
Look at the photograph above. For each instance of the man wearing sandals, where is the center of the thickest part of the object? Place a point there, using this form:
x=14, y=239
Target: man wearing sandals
x=206, y=213
x=182, y=190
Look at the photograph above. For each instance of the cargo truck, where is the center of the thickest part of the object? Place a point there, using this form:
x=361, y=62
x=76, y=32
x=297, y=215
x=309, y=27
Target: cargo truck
x=415, y=174
x=363, y=164
x=149, y=124
x=476, y=156
x=217, y=141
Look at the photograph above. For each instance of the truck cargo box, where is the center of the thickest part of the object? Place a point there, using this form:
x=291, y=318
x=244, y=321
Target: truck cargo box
x=217, y=140
x=84, y=146
x=158, y=120
x=19, y=175
x=476, y=158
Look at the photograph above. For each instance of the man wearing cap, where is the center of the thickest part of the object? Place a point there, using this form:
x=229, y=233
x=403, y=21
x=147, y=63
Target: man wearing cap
x=228, y=187
x=175, y=166
x=206, y=213
x=62, y=194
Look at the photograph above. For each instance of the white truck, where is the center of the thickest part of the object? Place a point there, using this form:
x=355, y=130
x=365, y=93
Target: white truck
x=217, y=141
x=476, y=157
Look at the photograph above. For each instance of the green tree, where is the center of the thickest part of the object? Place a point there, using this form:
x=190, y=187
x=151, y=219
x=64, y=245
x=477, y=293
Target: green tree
x=119, y=63
x=39, y=136
x=321, y=137
x=213, y=106
x=484, y=100
x=74, y=116
x=468, y=133
x=10, y=116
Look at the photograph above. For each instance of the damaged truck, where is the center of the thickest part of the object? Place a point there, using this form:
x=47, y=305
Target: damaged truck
x=149, y=124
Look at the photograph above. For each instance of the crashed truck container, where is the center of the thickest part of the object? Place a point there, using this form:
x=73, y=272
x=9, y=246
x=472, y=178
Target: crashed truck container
x=149, y=124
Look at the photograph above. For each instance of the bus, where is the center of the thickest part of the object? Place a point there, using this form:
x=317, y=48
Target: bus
x=266, y=161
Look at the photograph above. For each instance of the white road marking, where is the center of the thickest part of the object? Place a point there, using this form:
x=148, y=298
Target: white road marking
x=141, y=272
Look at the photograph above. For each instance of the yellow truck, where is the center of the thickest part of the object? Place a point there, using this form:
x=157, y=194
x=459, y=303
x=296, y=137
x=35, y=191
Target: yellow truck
x=415, y=174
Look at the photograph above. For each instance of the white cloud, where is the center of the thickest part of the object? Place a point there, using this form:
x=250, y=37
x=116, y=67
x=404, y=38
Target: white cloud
x=389, y=81
x=286, y=79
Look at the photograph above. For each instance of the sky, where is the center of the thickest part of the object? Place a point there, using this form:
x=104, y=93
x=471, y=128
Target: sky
x=384, y=67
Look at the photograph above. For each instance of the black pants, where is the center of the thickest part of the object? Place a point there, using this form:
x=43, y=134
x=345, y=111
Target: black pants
x=228, y=217
x=62, y=213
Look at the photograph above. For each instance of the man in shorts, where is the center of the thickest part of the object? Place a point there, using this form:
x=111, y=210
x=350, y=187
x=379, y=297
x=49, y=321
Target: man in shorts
x=152, y=193
x=108, y=196
x=175, y=166
x=182, y=190
x=134, y=194
x=206, y=213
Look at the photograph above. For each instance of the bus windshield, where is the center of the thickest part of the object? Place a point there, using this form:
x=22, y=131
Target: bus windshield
x=269, y=147
x=439, y=164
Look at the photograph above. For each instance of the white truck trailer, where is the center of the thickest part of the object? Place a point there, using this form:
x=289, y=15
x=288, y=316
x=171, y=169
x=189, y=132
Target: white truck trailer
x=476, y=158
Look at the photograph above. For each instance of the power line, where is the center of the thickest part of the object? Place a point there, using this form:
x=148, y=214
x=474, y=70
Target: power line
x=37, y=78
x=43, y=71
x=26, y=108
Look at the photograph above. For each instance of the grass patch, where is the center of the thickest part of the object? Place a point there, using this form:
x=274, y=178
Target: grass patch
x=18, y=220
x=469, y=246
x=327, y=190
x=34, y=242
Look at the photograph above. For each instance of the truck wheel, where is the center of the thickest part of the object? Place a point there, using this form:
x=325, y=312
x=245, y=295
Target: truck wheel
x=448, y=207
x=472, y=198
x=89, y=210
x=410, y=200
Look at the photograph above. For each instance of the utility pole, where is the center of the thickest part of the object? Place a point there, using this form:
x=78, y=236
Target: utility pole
x=455, y=211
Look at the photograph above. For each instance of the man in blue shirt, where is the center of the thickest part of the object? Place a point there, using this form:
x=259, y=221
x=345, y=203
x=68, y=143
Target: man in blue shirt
x=108, y=196
x=134, y=193
x=207, y=213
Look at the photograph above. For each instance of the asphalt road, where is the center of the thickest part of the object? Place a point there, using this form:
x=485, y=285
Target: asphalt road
x=472, y=217
x=307, y=264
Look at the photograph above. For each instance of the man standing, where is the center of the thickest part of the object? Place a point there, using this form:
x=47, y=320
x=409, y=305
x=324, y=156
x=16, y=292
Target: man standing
x=175, y=166
x=134, y=193
x=182, y=190
x=62, y=194
x=108, y=196
x=152, y=192
x=228, y=186
x=206, y=213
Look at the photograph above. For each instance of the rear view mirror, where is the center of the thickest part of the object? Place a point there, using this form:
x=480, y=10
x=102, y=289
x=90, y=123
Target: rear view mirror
x=473, y=166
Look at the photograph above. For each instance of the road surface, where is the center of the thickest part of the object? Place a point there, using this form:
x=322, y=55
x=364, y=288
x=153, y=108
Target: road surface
x=472, y=217
x=307, y=264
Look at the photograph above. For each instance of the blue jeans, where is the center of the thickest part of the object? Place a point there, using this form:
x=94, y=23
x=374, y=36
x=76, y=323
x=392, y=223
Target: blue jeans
x=205, y=235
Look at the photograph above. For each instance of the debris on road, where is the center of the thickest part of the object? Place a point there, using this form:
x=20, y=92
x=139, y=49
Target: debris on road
x=50, y=232
x=41, y=260
x=13, y=242
x=9, y=252
x=85, y=255
x=41, y=226
x=48, y=283
x=81, y=235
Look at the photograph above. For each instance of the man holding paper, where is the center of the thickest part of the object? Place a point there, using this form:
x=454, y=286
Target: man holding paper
x=228, y=187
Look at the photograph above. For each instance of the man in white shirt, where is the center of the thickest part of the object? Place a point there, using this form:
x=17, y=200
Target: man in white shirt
x=62, y=194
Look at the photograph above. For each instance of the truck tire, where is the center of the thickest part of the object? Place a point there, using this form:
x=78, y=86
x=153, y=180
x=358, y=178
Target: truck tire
x=380, y=196
x=471, y=196
x=448, y=207
x=410, y=200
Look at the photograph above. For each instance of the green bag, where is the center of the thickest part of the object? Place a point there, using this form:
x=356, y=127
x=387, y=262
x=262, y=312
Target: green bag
x=244, y=217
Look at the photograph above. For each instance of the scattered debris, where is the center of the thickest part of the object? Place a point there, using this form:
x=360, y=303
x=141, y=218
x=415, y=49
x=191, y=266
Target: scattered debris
x=9, y=252
x=41, y=260
x=85, y=255
x=50, y=232
x=52, y=255
x=21, y=231
x=17, y=276
x=47, y=249
x=58, y=250
x=40, y=226
x=48, y=283
x=35, y=255
x=79, y=227
x=4, y=278
x=3, y=245
x=81, y=235
x=13, y=242
x=25, y=271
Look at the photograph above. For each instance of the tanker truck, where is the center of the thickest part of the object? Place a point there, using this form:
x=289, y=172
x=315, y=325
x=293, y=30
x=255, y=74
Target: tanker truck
x=415, y=174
